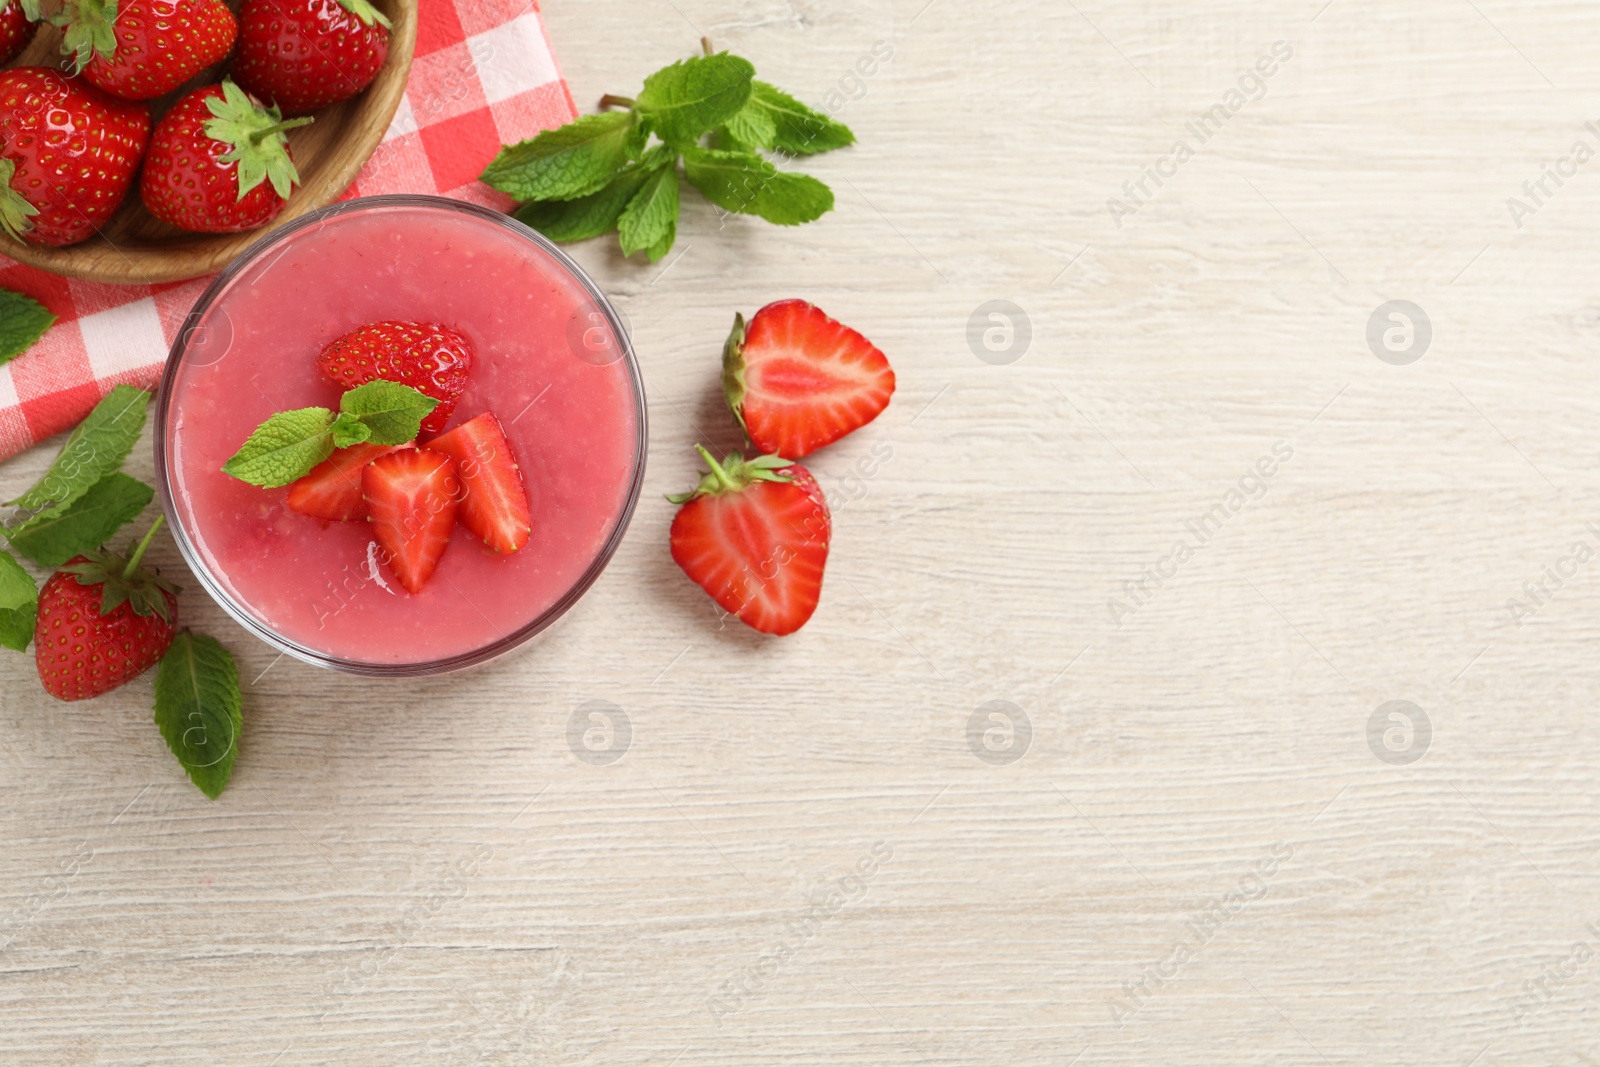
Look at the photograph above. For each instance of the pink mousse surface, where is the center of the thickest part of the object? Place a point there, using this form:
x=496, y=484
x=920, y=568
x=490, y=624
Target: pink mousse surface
x=570, y=415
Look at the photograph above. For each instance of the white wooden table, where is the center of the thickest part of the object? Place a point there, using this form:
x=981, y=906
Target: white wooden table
x=1202, y=856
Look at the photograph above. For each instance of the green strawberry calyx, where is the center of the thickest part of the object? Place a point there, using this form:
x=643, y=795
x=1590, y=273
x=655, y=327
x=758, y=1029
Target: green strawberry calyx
x=123, y=581
x=255, y=134
x=368, y=14
x=734, y=474
x=733, y=370
x=89, y=30
x=15, y=211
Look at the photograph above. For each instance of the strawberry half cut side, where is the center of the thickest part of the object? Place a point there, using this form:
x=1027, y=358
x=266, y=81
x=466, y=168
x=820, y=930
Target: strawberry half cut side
x=495, y=505
x=332, y=490
x=754, y=534
x=412, y=496
x=797, y=380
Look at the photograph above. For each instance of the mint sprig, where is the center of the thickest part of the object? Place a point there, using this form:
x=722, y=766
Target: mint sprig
x=89, y=522
x=23, y=321
x=288, y=445
x=92, y=451
x=18, y=600
x=620, y=170
x=199, y=709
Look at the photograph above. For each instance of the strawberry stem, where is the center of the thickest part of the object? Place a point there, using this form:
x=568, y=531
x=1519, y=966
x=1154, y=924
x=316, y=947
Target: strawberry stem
x=138, y=553
x=716, y=469
x=287, y=124
x=705, y=43
x=609, y=100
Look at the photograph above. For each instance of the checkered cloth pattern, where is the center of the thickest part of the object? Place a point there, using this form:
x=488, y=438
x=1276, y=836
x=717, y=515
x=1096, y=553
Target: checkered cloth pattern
x=483, y=75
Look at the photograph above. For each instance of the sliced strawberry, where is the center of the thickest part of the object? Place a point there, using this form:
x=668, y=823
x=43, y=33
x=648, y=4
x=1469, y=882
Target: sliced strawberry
x=495, y=506
x=412, y=496
x=798, y=380
x=333, y=488
x=755, y=536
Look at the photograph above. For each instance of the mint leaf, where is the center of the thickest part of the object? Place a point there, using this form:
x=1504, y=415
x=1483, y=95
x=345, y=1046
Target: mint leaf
x=23, y=321
x=566, y=163
x=284, y=448
x=663, y=246
x=691, y=97
x=18, y=602
x=753, y=127
x=199, y=710
x=93, y=450
x=748, y=184
x=586, y=217
x=391, y=412
x=86, y=525
x=797, y=129
x=347, y=430
x=651, y=219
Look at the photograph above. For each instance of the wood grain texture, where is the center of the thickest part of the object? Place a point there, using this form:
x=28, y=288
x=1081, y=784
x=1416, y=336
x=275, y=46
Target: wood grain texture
x=136, y=248
x=427, y=873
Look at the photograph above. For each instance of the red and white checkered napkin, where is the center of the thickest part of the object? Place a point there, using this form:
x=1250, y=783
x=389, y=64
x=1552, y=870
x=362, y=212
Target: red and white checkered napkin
x=483, y=75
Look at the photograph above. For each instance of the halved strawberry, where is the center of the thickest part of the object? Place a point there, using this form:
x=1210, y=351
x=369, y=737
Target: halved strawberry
x=496, y=503
x=797, y=380
x=333, y=488
x=412, y=496
x=754, y=534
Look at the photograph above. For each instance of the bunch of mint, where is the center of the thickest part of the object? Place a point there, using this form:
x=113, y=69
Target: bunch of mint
x=618, y=170
x=79, y=504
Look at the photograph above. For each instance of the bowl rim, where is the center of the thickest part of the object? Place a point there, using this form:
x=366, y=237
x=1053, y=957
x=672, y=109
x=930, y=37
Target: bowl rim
x=444, y=665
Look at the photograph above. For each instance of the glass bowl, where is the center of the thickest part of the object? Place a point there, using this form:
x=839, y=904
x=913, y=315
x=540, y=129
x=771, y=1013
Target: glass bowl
x=553, y=362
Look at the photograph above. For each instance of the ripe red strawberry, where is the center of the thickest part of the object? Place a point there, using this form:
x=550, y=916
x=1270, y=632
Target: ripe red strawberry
x=218, y=162
x=16, y=29
x=412, y=496
x=797, y=380
x=142, y=49
x=102, y=621
x=755, y=536
x=307, y=54
x=68, y=153
x=433, y=359
x=495, y=505
x=332, y=490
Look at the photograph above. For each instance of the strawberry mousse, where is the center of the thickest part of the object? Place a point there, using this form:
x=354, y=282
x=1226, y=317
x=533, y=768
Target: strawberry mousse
x=327, y=568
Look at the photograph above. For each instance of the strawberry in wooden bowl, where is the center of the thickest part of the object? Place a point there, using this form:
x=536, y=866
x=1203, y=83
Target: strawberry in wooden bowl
x=219, y=163
x=47, y=196
x=145, y=53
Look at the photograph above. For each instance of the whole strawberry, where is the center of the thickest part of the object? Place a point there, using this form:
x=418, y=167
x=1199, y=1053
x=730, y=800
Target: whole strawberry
x=754, y=534
x=432, y=359
x=16, y=29
x=103, y=620
x=219, y=162
x=68, y=154
x=142, y=49
x=307, y=54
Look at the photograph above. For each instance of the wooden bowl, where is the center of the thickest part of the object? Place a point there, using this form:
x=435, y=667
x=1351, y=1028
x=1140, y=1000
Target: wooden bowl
x=136, y=248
